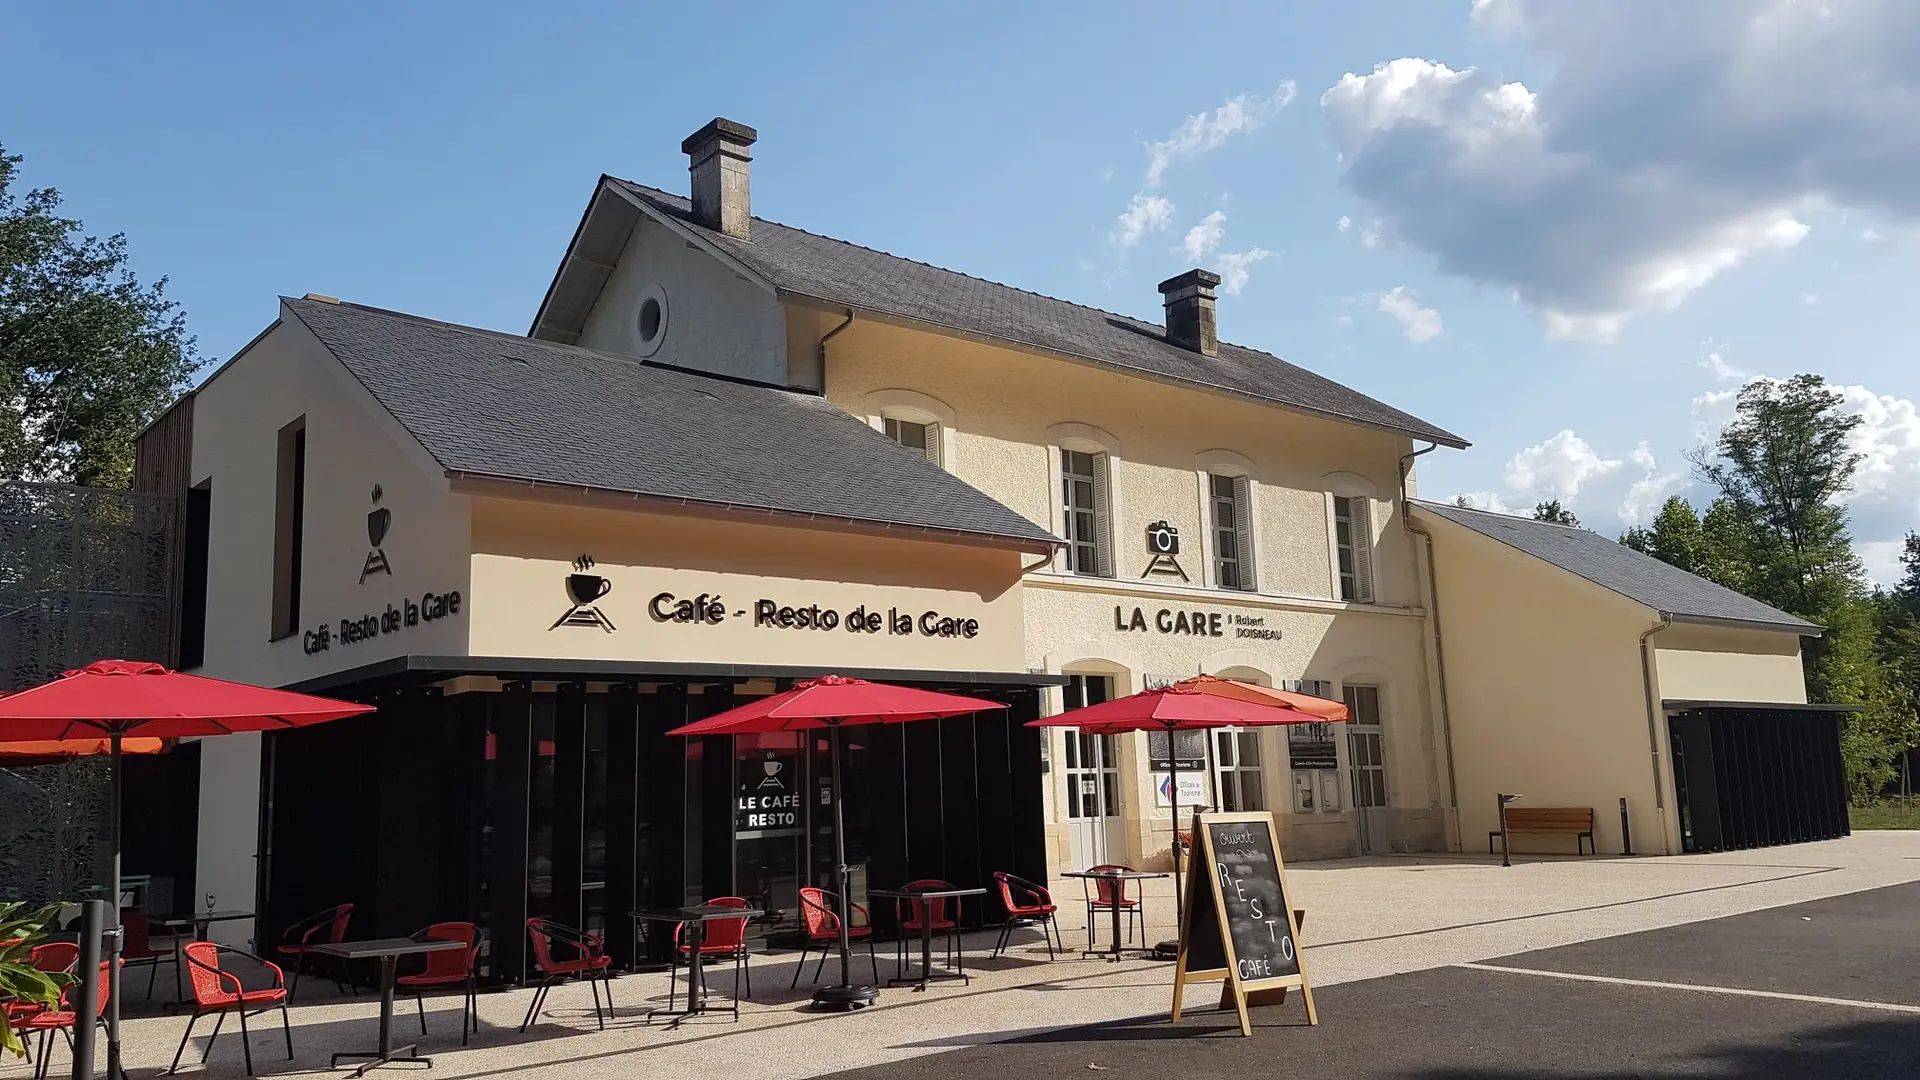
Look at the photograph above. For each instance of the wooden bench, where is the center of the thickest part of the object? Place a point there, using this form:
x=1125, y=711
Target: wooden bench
x=1577, y=820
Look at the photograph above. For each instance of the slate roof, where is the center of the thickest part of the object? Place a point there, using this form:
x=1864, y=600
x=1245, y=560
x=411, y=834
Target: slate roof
x=1614, y=566
x=497, y=405
x=806, y=264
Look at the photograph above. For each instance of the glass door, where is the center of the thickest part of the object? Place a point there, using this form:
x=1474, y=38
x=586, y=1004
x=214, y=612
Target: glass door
x=770, y=824
x=1367, y=770
x=1094, y=828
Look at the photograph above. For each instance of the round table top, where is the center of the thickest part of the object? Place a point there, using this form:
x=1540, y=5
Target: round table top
x=1115, y=875
x=904, y=893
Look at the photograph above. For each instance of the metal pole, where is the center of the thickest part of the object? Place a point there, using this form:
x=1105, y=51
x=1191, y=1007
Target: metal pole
x=1626, y=830
x=1506, y=847
x=114, y=1071
x=843, y=995
x=83, y=997
x=1171, y=949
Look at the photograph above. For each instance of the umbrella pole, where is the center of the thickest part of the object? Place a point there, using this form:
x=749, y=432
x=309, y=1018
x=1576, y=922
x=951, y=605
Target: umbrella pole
x=1171, y=949
x=843, y=996
x=114, y=1072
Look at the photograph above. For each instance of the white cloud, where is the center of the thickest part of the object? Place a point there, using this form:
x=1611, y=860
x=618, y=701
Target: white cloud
x=1671, y=143
x=1882, y=561
x=1345, y=223
x=1205, y=236
x=1566, y=467
x=1144, y=214
x=1493, y=501
x=1557, y=468
x=1369, y=237
x=1714, y=361
x=1234, y=267
x=1207, y=131
x=1809, y=298
x=1873, y=236
x=1419, y=324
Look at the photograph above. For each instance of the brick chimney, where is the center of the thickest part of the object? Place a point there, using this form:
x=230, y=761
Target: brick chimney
x=717, y=158
x=1189, y=302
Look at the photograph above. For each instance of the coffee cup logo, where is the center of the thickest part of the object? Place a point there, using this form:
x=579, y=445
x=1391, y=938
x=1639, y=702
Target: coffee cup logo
x=772, y=768
x=583, y=589
x=379, y=520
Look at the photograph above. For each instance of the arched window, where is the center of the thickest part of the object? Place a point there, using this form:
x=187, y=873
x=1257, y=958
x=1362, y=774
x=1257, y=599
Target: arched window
x=915, y=421
x=1083, y=463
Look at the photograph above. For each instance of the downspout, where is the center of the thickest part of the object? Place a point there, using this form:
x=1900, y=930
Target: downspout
x=824, y=339
x=1439, y=644
x=1653, y=727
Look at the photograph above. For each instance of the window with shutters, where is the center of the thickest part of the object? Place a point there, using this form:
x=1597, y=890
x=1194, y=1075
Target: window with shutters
x=914, y=436
x=1230, y=502
x=1353, y=547
x=1084, y=512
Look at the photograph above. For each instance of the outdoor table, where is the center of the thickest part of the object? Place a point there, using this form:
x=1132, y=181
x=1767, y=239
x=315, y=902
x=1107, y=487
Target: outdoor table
x=389, y=950
x=927, y=974
x=1119, y=878
x=199, y=922
x=696, y=917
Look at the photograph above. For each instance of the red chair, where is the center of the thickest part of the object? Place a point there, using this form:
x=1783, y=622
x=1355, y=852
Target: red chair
x=137, y=947
x=822, y=927
x=450, y=968
x=590, y=962
x=725, y=939
x=908, y=914
x=322, y=927
x=219, y=991
x=1027, y=904
x=1103, y=895
x=47, y=1021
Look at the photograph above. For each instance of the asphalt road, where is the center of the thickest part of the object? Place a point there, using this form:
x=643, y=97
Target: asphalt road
x=1458, y=1022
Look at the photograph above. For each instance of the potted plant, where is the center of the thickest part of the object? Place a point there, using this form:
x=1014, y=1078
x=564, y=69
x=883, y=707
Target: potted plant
x=20, y=982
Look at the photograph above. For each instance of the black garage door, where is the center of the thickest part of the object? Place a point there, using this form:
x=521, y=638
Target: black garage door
x=1749, y=776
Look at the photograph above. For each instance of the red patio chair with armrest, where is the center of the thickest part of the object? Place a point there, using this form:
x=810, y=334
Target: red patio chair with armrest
x=1104, y=894
x=1027, y=904
x=449, y=968
x=327, y=927
x=219, y=991
x=723, y=939
x=908, y=914
x=63, y=1019
x=137, y=947
x=588, y=961
x=821, y=924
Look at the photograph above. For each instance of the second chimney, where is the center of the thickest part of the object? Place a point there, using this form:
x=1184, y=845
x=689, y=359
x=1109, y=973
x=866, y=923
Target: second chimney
x=1190, y=319
x=717, y=158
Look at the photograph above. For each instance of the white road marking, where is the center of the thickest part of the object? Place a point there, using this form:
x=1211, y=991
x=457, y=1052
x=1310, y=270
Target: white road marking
x=1882, y=1006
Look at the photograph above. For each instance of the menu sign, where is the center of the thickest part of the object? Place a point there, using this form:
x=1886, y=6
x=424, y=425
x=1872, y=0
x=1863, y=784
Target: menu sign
x=1239, y=927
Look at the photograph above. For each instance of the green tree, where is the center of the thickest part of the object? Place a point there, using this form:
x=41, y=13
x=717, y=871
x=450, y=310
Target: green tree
x=1779, y=534
x=1674, y=537
x=88, y=355
x=1553, y=513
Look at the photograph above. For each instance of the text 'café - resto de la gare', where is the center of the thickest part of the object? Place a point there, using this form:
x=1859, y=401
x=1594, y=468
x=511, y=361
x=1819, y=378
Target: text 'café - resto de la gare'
x=730, y=454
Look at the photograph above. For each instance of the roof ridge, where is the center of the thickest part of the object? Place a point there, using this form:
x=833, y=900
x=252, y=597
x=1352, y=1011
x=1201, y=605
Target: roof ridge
x=951, y=270
x=521, y=339
x=1504, y=514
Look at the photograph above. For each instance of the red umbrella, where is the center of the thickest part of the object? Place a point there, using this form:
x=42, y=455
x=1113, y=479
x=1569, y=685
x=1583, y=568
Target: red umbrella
x=54, y=751
x=1170, y=709
x=118, y=698
x=833, y=702
x=1320, y=708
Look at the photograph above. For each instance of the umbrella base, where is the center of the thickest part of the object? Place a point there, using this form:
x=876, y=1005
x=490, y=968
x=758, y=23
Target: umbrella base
x=1167, y=950
x=844, y=998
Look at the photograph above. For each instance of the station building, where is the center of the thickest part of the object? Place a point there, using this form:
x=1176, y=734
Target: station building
x=730, y=454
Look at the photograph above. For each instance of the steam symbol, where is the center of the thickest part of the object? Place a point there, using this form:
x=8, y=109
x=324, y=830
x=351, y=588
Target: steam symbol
x=583, y=563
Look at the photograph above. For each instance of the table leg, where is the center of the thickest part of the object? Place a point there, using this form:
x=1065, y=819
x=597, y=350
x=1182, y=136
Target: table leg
x=1119, y=894
x=387, y=1053
x=926, y=945
x=696, y=971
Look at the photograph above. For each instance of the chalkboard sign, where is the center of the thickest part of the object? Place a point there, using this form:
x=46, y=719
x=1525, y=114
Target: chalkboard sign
x=1238, y=925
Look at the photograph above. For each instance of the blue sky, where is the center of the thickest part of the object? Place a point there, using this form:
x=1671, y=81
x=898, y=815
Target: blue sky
x=1571, y=231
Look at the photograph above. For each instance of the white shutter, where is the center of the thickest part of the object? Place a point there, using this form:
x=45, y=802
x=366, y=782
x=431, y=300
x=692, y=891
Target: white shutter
x=1243, y=532
x=1102, y=518
x=1362, y=510
x=933, y=443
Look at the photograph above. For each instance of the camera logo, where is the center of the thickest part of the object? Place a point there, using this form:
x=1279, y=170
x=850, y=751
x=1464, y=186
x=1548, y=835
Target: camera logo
x=583, y=589
x=1163, y=543
x=379, y=520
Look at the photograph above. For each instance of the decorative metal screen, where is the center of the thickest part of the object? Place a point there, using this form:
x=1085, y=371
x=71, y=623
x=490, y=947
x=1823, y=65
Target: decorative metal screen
x=85, y=574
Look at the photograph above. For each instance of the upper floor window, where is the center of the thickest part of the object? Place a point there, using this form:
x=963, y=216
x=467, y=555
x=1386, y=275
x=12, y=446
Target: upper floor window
x=289, y=527
x=1084, y=499
x=914, y=436
x=1230, y=502
x=1353, y=546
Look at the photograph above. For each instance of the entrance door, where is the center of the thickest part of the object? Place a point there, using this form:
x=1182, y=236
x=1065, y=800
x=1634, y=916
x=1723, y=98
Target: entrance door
x=1094, y=830
x=1367, y=770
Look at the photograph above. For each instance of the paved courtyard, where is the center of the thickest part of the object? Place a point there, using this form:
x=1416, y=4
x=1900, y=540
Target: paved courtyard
x=1426, y=967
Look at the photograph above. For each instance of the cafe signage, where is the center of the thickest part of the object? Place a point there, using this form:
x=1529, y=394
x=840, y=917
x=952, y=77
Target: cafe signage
x=711, y=610
x=1193, y=623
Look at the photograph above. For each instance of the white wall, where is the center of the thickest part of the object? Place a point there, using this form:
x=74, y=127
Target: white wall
x=716, y=320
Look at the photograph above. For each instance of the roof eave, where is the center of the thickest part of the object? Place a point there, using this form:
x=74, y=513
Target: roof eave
x=882, y=315
x=1804, y=629
x=509, y=486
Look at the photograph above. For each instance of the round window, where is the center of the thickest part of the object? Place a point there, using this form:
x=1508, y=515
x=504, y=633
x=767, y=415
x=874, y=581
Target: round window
x=650, y=324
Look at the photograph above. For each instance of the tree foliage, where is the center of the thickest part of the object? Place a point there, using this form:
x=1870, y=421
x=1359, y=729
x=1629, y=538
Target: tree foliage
x=1778, y=533
x=1553, y=513
x=88, y=355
